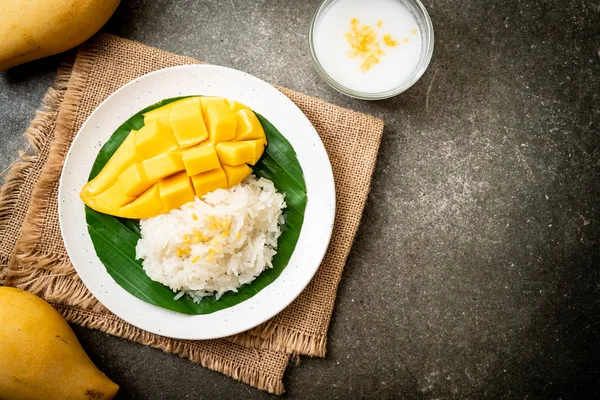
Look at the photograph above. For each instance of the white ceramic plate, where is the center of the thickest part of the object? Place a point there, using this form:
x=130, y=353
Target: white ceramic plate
x=199, y=80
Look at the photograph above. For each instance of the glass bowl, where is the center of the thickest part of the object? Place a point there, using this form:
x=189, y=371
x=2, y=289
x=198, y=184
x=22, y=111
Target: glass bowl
x=425, y=30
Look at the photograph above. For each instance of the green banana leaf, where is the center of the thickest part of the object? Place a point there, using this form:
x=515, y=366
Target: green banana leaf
x=115, y=238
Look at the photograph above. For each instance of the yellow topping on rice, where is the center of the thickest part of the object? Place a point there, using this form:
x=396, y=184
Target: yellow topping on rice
x=222, y=225
x=182, y=251
x=199, y=237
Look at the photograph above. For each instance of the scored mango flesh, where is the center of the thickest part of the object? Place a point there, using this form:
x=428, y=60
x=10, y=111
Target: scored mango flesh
x=185, y=149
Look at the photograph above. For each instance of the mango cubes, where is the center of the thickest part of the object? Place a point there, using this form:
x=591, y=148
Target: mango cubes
x=134, y=180
x=209, y=181
x=235, y=153
x=153, y=139
x=200, y=158
x=187, y=122
x=220, y=119
x=176, y=190
x=185, y=149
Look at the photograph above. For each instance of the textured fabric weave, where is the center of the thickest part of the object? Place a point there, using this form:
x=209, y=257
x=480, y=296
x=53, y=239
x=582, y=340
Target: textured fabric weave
x=33, y=257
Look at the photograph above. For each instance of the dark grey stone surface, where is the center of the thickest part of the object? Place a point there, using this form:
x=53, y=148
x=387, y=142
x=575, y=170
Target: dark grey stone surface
x=475, y=273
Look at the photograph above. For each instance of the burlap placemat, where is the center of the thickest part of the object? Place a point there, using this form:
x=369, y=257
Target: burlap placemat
x=33, y=257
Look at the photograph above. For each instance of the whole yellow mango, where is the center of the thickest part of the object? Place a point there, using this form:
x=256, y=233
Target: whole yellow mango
x=39, y=28
x=40, y=357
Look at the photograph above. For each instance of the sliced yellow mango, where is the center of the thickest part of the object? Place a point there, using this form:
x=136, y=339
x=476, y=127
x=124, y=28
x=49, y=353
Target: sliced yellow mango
x=163, y=165
x=220, y=120
x=200, y=158
x=154, y=139
x=209, y=181
x=236, y=106
x=148, y=205
x=110, y=201
x=159, y=114
x=234, y=153
x=258, y=148
x=236, y=174
x=176, y=190
x=134, y=181
x=248, y=126
x=121, y=159
x=187, y=122
x=186, y=148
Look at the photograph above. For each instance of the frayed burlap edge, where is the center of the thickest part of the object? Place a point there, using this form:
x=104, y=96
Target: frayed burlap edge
x=271, y=384
x=27, y=256
x=272, y=336
x=9, y=194
x=35, y=135
x=62, y=282
x=56, y=287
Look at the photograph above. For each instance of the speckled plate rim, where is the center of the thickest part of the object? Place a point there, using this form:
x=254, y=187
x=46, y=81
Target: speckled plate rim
x=213, y=81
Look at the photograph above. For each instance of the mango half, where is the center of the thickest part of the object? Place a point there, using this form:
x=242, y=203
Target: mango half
x=185, y=149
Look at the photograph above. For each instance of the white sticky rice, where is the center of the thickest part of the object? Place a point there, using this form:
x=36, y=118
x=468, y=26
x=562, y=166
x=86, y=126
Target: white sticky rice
x=215, y=244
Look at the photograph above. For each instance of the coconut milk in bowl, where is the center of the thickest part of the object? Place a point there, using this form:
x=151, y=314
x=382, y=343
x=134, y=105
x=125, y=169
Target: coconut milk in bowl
x=371, y=49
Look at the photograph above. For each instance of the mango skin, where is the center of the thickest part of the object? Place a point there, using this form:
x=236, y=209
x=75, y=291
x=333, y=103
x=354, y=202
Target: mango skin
x=35, y=29
x=40, y=356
